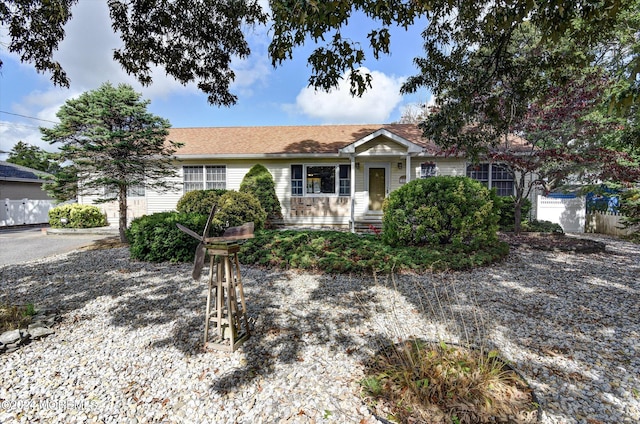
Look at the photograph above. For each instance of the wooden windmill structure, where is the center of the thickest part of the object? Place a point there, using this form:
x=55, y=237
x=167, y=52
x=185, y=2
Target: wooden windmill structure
x=226, y=309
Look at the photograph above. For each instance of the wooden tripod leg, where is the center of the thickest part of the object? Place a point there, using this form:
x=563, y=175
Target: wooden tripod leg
x=241, y=292
x=220, y=294
x=231, y=307
x=207, y=316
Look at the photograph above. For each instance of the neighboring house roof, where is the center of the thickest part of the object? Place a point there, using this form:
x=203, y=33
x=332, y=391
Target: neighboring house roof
x=286, y=140
x=13, y=172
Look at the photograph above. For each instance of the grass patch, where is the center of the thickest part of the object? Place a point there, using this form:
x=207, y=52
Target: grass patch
x=15, y=316
x=417, y=381
x=341, y=252
x=106, y=243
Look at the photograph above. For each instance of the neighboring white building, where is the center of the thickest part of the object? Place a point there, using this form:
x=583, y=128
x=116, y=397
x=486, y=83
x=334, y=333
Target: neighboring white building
x=22, y=199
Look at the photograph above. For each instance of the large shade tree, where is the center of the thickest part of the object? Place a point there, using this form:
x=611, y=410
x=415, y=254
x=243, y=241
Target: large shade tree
x=195, y=40
x=537, y=121
x=114, y=144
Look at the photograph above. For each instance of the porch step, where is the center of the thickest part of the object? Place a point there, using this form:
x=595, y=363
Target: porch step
x=368, y=225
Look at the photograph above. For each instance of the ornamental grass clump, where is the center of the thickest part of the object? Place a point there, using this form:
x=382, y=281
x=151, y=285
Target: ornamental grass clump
x=438, y=383
x=449, y=376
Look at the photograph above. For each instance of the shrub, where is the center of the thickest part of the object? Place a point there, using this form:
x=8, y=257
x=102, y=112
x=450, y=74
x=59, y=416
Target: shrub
x=439, y=211
x=156, y=237
x=78, y=216
x=536, y=226
x=235, y=208
x=259, y=182
x=506, y=209
x=338, y=252
x=630, y=208
x=198, y=201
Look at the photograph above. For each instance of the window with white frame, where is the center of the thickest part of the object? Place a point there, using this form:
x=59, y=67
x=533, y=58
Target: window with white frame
x=427, y=169
x=493, y=176
x=297, y=180
x=204, y=177
x=134, y=190
x=320, y=180
x=345, y=180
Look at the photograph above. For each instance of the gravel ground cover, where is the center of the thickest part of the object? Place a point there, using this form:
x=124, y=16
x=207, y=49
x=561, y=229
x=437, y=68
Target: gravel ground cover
x=128, y=347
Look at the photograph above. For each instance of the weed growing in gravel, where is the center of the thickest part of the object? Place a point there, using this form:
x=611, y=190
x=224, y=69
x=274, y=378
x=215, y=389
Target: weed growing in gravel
x=15, y=316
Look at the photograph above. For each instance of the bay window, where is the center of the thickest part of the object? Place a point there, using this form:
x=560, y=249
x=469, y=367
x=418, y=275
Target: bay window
x=320, y=180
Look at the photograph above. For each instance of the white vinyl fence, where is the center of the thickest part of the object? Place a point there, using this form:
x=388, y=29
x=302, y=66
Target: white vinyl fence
x=570, y=213
x=25, y=211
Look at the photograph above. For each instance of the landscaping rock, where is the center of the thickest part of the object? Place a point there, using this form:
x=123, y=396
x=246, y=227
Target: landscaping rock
x=9, y=337
x=39, y=331
x=40, y=326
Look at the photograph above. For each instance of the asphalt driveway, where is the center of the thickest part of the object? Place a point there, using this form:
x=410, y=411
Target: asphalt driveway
x=26, y=244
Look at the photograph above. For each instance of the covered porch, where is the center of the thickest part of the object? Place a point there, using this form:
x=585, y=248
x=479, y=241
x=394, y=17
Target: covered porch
x=380, y=163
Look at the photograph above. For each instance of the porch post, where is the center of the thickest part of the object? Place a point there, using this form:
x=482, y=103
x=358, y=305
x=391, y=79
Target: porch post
x=408, y=160
x=353, y=194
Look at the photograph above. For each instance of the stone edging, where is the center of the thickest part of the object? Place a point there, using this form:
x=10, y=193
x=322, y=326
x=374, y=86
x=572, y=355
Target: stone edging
x=41, y=326
x=103, y=231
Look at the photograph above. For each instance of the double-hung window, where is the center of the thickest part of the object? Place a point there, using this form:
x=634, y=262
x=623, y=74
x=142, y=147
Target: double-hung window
x=320, y=180
x=502, y=180
x=134, y=190
x=427, y=169
x=204, y=177
x=493, y=176
x=297, y=180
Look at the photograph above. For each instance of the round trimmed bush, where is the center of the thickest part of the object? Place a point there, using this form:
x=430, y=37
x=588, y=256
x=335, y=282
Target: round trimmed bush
x=78, y=216
x=235, y=208
x=157, y=238
x=259, y=182
x=198, y=201
x=443, y=210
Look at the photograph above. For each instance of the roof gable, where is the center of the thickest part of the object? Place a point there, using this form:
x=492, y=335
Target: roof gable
x=382, y=132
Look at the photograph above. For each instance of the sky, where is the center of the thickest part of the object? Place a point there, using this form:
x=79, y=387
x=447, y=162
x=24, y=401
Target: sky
x=266, y=95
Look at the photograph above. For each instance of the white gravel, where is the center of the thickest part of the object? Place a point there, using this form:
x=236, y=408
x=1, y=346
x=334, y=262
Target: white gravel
x=129, y=349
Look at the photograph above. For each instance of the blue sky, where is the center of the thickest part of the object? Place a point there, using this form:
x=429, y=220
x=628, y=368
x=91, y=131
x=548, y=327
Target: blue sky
x=267, y=96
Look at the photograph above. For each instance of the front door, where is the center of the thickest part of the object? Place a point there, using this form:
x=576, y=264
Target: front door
x=377, y=188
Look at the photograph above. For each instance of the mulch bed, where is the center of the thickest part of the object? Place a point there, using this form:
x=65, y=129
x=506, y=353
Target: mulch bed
x=552, y=242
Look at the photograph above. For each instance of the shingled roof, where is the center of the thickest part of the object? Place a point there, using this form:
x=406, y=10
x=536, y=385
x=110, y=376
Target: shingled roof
x=13, y=172
x=283, y=140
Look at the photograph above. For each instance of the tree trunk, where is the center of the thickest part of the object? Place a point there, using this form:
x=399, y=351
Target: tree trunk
x=122, y=203
x=517, y=216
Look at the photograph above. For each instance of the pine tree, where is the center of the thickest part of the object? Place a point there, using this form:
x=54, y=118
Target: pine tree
x=114, y=144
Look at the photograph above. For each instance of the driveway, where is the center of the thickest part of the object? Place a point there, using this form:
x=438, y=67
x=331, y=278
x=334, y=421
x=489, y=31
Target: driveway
x=26, y=244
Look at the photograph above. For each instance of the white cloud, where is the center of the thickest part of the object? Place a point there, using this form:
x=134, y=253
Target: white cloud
x=86, y=54
x=12, y=132
x=339, y=106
